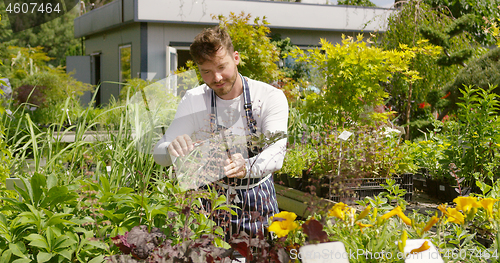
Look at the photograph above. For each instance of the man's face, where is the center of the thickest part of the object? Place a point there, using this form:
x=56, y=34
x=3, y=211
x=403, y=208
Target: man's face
x=220, y=73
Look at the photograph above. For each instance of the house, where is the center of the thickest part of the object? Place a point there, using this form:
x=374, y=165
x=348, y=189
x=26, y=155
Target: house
x=150, y=38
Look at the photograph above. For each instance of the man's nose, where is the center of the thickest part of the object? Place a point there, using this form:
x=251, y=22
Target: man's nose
x=218, y=77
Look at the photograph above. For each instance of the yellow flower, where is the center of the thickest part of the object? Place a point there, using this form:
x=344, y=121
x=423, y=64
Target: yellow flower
x=361, y=226
x=487, y=204
x=431, y=222
x=392, y=213
x=442, y=208
x=338, y=211
x=364, y=213
x=466, y=203
x=283, y=223
x=422, y=248
x=397, y=211
x=405, y=218
x=454, y=216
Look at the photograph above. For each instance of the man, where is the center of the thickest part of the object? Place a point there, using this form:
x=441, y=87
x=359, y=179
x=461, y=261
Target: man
x=231, y=104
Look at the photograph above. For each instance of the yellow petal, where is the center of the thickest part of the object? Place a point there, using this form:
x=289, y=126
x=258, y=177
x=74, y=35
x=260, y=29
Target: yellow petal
x=442, y=208
x=283, y=226
x=466, y=203
x=454, y=216
x=487, y=204
x=364, y=213
x=422, y=248
x=405, y=219
x=402, y=244
x=431, y=222
x=392, y=213
x=338, y=210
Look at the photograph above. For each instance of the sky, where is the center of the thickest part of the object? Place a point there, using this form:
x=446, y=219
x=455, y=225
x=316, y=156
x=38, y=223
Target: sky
x=383, y=3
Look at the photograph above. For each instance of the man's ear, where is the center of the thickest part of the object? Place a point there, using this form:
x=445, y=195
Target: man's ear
x=236, y=57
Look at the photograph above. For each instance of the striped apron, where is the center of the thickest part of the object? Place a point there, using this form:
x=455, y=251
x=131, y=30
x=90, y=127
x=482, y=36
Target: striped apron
x=254, y=197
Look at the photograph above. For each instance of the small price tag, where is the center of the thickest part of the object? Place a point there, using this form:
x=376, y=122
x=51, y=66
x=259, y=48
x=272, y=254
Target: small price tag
x=441, y=187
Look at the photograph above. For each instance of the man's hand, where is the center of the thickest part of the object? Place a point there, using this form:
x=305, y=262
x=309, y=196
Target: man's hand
x=235, y=167
x=181, y=146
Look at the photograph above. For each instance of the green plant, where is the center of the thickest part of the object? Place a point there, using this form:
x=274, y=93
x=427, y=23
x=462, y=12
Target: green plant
x=59, y=85
x=5, y=154
x=349, y=76
x=43, y=226
x=299, y=157
x=73, y=203
x=480, y=132
x=370, y=153
x=429, y=153
x=378, y=230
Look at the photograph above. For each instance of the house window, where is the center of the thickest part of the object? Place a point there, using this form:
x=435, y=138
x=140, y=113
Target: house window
x=125, y=63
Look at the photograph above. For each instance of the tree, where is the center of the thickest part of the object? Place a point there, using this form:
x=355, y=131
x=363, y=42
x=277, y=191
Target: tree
x=259, y=57
x=355, y=2
x=56, y=36
x=443, y=38
x=482, y=73
x=479, y=10
x=404, y=28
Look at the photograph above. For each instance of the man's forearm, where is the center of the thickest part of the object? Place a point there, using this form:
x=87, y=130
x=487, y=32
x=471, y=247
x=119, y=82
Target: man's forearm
x=161, y=155
x=268, y=161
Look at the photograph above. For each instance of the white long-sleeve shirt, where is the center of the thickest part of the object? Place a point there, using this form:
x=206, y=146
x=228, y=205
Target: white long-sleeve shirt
x=270, y=111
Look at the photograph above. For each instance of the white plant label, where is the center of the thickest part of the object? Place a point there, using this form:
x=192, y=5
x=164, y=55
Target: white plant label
x=345, y=135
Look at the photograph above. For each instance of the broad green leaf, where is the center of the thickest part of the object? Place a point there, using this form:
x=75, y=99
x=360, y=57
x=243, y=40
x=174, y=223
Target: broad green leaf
x=116, y=218
x=58, y=219
x=38, y=183
x=125, y=190
x=25, y=194
x=43, y=257
x=220, y=200
x=51, y=181
x=40, y=243
x=22, y=260
x=99, y=259
x=58, y=195
x=63, y=242
x=66, y=253
x=157, y=211
x=6, y=255
x=97, y=244
x=17, y=250
x=105, y=184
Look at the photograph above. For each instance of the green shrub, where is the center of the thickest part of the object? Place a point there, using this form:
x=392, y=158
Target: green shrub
x=58, y=85
x=470, y=143
x=299, y=157
x=349, y=77
x=481, y=72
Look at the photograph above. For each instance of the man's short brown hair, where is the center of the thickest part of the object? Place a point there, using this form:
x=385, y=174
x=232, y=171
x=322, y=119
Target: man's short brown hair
x=208, y=42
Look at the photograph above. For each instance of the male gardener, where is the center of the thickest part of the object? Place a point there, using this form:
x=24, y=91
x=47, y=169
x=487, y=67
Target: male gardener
x=228, y=101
